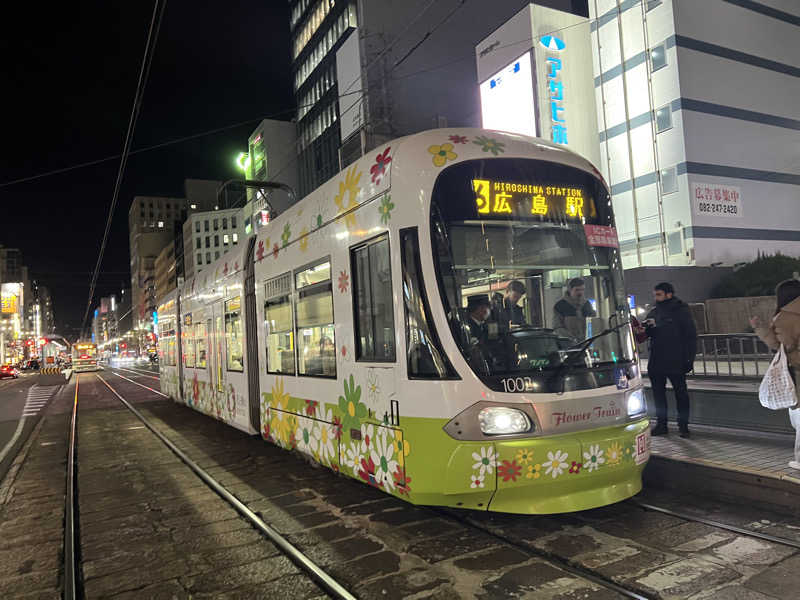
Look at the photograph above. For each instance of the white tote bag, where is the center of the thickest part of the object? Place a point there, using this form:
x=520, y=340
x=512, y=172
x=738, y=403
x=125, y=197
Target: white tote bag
x=777, y=389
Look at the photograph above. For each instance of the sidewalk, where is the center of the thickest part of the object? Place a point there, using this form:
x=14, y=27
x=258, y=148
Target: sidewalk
x=723, y=461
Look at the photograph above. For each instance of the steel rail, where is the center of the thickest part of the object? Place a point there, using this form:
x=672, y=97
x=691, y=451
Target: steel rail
x=553, y=559
x=718, y=524
x=70, y=555
x=333, y=587
x=138, y=373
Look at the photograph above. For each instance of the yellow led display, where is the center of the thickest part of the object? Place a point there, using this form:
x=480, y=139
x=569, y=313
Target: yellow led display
x=503, y=198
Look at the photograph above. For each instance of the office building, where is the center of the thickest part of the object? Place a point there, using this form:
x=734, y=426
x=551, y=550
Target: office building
x=209, y=235
x=368, y=72
x=699, y=119
x=166, y=271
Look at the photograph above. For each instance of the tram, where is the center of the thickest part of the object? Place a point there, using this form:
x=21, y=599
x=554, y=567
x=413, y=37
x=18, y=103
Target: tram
x=84, y=357
x=370, y=328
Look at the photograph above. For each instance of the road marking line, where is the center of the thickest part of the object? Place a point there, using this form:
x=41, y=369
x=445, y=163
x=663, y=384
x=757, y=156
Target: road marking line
x=13, y=439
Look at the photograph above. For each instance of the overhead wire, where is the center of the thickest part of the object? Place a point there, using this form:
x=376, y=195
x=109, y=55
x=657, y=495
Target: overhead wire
x=144, y=73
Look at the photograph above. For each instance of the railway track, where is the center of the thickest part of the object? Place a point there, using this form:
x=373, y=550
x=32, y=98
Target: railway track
x=72, y=556
x=592, y=577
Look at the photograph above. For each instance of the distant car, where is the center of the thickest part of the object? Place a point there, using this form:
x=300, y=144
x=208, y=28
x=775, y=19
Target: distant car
x=8, y=371
x=31, y=365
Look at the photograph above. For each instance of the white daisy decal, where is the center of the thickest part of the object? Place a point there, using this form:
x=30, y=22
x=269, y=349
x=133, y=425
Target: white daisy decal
x=485, y=461
x=593, y=458
x=476, y=481
x=556, y=463
x=382, y=455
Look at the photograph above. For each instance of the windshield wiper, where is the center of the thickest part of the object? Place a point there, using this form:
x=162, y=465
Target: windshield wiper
x=582, y=346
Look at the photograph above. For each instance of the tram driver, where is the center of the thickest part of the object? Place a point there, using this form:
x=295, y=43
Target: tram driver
x=476, y=324
x=505, y=308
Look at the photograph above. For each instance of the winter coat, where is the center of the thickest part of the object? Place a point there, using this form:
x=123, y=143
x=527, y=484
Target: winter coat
x=569, y=316
x=506, y=313
x=673, y=339
x=784, y=329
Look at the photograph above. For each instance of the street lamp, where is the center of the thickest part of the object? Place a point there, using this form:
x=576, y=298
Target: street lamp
x=243, y=161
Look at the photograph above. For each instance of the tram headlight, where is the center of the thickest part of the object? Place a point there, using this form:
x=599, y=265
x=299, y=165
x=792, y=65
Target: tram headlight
x=636, y=402
x=498, y=420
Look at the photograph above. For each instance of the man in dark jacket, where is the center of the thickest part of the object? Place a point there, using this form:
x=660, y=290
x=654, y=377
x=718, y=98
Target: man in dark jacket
x=506, y=310
x=673, y=345
x=571, y=311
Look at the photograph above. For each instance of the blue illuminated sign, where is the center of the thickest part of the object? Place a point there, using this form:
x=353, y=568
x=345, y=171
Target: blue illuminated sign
x=632, y=302
x=555, y=86
x=155, y=318
x=552, y=43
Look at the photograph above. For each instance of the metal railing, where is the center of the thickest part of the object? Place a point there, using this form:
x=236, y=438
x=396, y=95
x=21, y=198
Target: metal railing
x=728, y=355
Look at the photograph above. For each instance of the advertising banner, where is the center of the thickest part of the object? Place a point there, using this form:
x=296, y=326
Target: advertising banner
x=715, y=200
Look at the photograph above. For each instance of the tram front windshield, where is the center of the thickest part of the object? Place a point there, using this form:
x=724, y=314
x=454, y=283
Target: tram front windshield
x=528, y=268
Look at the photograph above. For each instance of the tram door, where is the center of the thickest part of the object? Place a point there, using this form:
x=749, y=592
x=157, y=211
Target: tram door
x=217, y=334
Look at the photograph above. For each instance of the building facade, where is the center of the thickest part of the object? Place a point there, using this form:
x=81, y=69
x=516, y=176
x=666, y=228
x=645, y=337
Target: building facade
x=166, y=271
x=209, y=235
x=699, y=127
x=367, y=72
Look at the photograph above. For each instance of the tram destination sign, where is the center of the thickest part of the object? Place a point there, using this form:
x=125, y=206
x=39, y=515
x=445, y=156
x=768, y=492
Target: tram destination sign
x=504, y=199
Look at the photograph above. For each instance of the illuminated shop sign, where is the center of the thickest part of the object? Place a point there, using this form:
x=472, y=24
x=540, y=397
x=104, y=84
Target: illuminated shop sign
x=503, y=198
x=507, y=98
x=555, y=88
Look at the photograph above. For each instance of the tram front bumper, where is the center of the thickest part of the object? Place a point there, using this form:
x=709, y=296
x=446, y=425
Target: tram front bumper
x=571, y=472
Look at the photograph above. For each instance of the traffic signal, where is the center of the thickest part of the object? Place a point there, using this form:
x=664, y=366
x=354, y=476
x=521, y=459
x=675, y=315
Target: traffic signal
x=123, y=345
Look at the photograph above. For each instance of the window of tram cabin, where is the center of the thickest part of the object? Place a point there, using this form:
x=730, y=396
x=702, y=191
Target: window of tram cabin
x=315, y=340
x=201, y=344
x=278, y=325
x=373, y=307
x=426, y=358
x=233, y=334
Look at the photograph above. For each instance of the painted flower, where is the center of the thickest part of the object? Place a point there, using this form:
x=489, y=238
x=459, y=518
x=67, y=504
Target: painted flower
x=304, y=239
x=346, y=199
x=379, y=168
x=324, y=436
x=225, y=270
x=614, y=454
x=373, y=387
x=195, y=389
x=458, y=139
x=353, y=410
x=486, y=461
x=304, y=435
x=534, y=471
x=441, y=154
x=286, y=235
x=476, y=481
x=488, y=144
x=402, y=481
x=260, y=252
x=337, y=427
x=385, y=209
x=266, y=430
x=367, y=437
x=346, y=355
x=344, y=282
x=556, y=463
x=385, y=464
x=403, y=447
x=593, y=458
x=575, y=468
x=352, y=457
x=367, y=472
x=275, y=250
x=311, y=407
x=509, y=471
x=525, y=456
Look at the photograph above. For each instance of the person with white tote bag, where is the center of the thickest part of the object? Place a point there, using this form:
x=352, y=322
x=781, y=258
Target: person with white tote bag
x=783, y=334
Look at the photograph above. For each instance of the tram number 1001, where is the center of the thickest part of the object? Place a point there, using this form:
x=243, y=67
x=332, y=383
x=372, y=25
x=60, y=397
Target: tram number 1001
x=517, y=384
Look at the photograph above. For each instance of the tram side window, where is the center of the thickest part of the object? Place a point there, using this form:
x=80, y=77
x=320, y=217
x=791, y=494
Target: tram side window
x=278, y=323
x=201, y=344
x=372, y=301
x=233, y=334
x=426, y=358
x=188, y=346
x=316, y=344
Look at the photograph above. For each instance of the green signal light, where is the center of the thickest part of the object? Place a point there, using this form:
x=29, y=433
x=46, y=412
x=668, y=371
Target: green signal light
x=243, y=161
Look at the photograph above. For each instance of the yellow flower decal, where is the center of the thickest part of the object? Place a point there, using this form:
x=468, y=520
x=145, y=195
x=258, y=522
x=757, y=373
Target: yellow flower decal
x=346, y=198
x=524, y=456
x=441, y=154
x=534, y=471
x=614, y=454
x=281, y=423
x=304, y=239
x=401, y=446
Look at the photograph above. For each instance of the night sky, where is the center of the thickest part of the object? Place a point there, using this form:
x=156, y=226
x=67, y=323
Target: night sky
x=70, y=73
